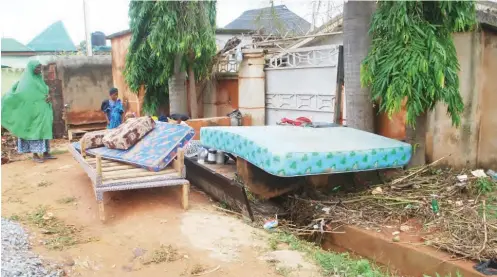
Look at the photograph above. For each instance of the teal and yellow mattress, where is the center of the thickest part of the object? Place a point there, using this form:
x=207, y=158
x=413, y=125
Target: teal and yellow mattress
x=290, y=151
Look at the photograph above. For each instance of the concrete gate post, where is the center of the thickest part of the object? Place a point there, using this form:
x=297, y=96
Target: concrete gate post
x=251, y=86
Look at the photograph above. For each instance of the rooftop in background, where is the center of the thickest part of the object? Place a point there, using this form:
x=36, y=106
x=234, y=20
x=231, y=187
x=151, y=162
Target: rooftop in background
x=12, y=45
x=276, y=20
x=53, y=39
x=218, y=31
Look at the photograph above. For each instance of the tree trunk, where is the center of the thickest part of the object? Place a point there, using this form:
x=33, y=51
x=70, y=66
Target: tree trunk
x=193, y=93
x=177, y=90
x=356, y=41
x=417, y=138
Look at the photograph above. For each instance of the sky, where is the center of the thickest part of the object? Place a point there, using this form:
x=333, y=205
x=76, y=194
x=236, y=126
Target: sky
x=24, y=19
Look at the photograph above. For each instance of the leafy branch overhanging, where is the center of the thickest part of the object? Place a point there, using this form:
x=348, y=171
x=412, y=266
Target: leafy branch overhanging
x=161, y=30
x=413, y=57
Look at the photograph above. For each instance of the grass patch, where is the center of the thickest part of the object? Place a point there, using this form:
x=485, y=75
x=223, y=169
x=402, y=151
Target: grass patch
x=44, y=184
x=284, y=271
x=58, y=151
x=66, y=200
x=330, y=263
x=485, y=185
x=163, y=254
x=59, y=235
x=14, y=217
x=197, y=269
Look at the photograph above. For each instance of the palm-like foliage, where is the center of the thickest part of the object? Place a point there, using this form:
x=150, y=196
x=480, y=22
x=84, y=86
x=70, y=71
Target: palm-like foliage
x=412, y=56
x=161, y=30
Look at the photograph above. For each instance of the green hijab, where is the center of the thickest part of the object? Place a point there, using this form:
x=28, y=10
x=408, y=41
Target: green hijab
x=25, y=113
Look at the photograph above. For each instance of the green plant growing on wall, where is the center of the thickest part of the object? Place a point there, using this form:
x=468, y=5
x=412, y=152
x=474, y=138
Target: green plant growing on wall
x=161, y=31
x=413, y=58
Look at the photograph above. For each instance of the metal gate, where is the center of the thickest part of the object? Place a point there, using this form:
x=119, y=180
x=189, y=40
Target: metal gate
x=304, y=82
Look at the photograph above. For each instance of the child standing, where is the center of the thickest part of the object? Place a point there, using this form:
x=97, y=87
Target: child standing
x=113, y=109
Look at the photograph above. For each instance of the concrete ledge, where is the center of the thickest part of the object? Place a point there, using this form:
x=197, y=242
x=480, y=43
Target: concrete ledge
x=406, y=258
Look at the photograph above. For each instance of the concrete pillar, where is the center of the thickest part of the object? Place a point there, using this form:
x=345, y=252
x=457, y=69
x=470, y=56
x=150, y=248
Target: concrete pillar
x=251, y=86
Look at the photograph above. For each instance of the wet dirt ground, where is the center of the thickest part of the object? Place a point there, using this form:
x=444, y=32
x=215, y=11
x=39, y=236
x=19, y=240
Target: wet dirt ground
x=138, y=222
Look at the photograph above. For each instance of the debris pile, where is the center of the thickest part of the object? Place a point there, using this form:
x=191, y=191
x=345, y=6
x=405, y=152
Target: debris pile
x=9, y=146
x=456, y=213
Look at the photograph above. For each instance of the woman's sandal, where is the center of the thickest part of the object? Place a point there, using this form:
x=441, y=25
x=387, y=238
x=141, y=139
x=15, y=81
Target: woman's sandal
x=49, y=157
x=38, y=160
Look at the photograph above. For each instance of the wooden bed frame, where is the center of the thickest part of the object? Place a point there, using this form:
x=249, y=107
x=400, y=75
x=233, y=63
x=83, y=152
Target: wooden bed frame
x=107, y=175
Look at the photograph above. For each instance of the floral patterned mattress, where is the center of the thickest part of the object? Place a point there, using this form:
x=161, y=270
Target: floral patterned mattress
x=289, y=151
x=154, y=151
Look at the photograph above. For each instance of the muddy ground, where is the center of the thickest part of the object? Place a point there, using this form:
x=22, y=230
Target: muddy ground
x=138, y=223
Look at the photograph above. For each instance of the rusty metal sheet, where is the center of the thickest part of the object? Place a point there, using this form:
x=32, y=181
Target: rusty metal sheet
x=85, y=117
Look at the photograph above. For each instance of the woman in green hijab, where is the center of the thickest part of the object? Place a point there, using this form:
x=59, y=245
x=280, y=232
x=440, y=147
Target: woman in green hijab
x=27, y=113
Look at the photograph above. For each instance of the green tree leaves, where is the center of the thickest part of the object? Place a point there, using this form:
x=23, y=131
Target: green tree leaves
x=413, y=57
x=160, y=31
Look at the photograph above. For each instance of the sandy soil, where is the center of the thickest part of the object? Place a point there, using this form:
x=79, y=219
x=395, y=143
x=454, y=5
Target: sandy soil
x=138, y=223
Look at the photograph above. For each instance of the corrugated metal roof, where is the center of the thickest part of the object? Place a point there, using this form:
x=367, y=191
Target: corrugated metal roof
x=276, y=20
x=53, y=39
x=12, y=45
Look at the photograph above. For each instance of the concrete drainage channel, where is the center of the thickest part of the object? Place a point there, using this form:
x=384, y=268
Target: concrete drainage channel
x=407, y=259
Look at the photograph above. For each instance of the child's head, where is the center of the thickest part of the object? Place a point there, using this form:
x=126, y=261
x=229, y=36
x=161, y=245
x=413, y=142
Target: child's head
x=113, y=93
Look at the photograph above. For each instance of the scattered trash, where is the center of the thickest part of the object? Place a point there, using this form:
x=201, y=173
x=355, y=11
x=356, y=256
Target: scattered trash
x=377, y=190
x=48, y=216
x=396, y=239
x=488, y=268
x=127, y=268
x=404, y=228
x=434, y=205
x=492, y=174
x=326, y=210
x=271, y=224
x=138, y=252
x=395, y=233
x=462, y=178
x=479, y=173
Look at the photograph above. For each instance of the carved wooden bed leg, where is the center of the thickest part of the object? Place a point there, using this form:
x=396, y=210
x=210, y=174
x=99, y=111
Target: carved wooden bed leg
x=100, y=195
x=185, y=193
x=101, y=210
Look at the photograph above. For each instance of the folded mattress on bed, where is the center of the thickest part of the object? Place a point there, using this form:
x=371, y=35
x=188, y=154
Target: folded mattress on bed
x=295, y=151
x=154, y=151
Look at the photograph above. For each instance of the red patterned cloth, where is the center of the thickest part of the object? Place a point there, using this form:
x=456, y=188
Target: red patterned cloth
x=128, y=133
x=93, y=139
x=300, y=121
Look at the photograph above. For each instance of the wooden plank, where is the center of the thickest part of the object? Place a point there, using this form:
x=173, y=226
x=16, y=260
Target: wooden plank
x=83, y=149
x=99, y=166
x=133, y=175
x=104, y=161
x=101, y=210
x=116, y=167
x=179, y=162
x=129, y=171
x=106, y=164
x=172, y=175
x=264, y=184
x=185, y=193
x=218, y=186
